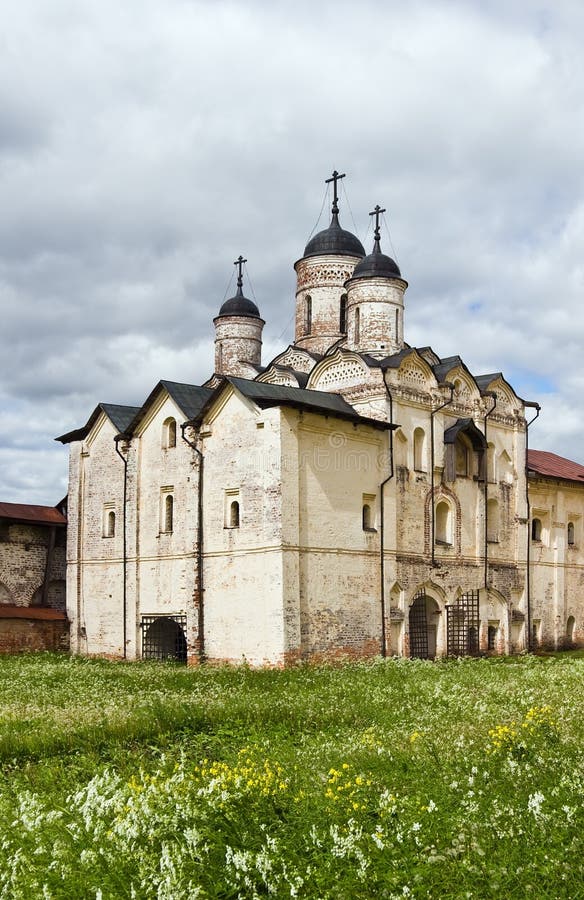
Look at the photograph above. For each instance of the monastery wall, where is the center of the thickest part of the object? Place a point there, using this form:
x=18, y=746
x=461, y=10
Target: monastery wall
x=23, y=555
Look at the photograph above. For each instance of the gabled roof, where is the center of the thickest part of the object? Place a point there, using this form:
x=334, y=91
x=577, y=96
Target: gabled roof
x=266, y=395
x=190, y=398
x=395, y=360
x=484, y=381
x=445, y=365
x=553, y=466
x=119, y=416
x=467, y=427
x=32, y=515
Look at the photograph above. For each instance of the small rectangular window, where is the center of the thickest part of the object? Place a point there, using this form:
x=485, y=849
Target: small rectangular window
x=109, y=520
x=167, y=510
x=232, y=509
x=368, y=512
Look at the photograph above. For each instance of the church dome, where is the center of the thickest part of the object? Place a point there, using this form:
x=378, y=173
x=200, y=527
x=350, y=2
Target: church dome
x=377, y=265
x=334, y=241
x=239, y=306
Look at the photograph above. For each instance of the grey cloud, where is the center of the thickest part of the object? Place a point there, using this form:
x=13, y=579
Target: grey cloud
x=163, y=140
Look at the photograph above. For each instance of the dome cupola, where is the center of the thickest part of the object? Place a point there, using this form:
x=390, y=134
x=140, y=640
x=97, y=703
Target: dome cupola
x=238, y=333
x=328, y=262
x=238, y=305
x=334, y=240
x=377, y=264
x=375, y=302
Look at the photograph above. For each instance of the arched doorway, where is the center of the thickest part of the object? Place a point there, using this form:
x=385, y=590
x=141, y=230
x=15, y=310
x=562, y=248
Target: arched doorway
x=163, y=637
x=423, y=626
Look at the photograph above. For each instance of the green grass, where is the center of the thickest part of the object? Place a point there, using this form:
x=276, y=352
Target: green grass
x=386, y=779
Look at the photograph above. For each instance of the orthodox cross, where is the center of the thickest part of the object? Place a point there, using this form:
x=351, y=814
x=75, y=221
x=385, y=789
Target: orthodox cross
x=377, y=212
x=335, y=177
x=239, y=263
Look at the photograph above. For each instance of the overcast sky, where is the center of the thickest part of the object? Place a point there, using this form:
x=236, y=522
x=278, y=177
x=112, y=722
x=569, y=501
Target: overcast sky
x=145, y=145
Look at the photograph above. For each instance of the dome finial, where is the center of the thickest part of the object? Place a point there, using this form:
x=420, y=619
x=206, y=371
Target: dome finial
x=376, y=234
x=335, y=177
x=239, y=263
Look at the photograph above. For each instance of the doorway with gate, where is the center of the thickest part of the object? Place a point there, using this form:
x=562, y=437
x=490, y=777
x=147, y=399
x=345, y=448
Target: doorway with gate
x=424, y=618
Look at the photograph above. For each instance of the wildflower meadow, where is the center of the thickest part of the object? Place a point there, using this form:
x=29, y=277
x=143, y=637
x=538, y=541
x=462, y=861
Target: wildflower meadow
x=384, y=779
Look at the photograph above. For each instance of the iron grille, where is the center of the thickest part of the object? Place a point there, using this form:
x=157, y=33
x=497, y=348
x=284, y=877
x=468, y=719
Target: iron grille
x=419, y=627
x=163, y=637
x=462, y=625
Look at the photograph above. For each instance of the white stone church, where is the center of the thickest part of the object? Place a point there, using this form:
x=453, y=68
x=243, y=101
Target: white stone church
x=352, y=496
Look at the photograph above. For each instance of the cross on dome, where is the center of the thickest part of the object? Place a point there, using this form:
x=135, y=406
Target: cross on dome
x=377, y=212
x=335, y=178
x=239, y=263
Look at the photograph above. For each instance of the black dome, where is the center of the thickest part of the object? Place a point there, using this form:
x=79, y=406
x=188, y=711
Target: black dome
x=376, y=265
x=239, y=306
x=334, y=240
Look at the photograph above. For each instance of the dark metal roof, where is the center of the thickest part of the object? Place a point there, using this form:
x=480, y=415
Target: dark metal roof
x=190, y=399
x=467, y=427
x=321, y=402
x=395, y=360
x=32, y=515
x=544, y=463
x=334, y=240
x=119, y=416
x=239, y=306
x=484, y=381
x=376, y=265
x=445, y=365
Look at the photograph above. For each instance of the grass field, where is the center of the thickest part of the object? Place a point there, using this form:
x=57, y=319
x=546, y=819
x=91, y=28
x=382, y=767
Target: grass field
x=389, y=779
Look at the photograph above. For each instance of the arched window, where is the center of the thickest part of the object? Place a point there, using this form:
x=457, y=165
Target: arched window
x=234, y=514
x=366, y=517
x=397, y=324
x=536, y=530
x=168, y=512
x=307, y=314
x=492, y=520
x=343, y=314
x=108, y=528
x=570, y=629
x=357, y=325
x=571, y=534
x=443, y=523
x=419, y=450
x=169, y=433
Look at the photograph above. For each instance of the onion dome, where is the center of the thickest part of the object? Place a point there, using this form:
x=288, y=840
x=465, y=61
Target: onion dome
x=377, y=264
x=334, y=240
x=238, y=305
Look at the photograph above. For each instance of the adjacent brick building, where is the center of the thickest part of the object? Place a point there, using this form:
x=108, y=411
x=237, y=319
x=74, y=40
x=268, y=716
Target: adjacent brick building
x=32, y=577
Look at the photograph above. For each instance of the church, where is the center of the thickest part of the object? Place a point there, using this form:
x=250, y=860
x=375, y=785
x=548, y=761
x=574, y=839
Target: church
x=354, y=496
